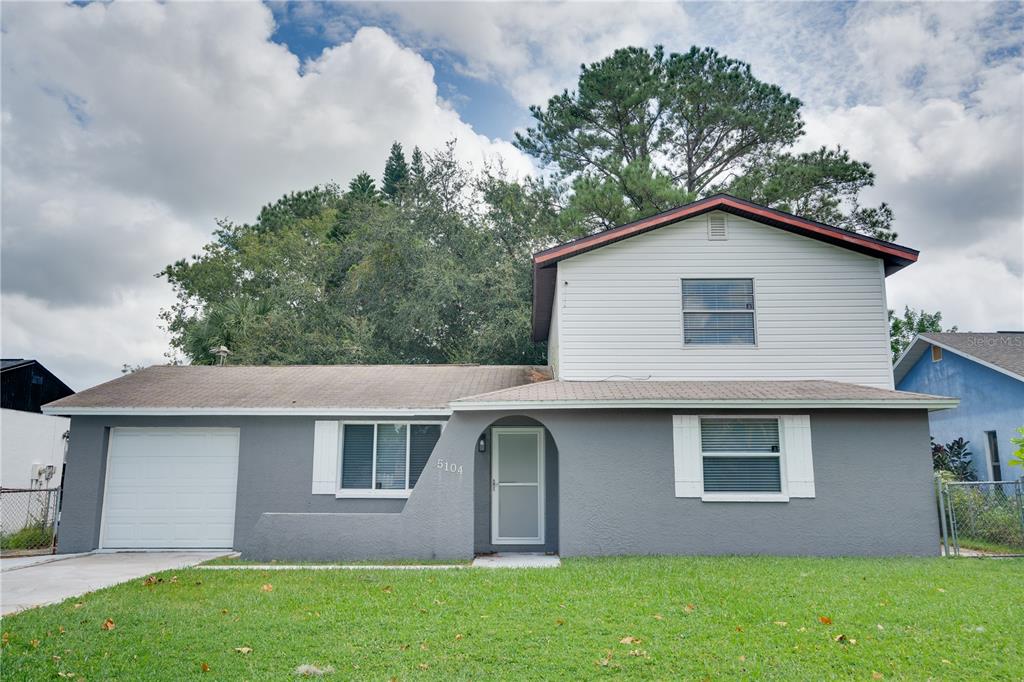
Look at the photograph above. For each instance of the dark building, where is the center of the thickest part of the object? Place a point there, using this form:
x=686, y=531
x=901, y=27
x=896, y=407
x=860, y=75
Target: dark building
x=26, y=385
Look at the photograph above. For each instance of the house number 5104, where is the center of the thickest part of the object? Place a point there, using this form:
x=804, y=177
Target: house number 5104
x=449, y=466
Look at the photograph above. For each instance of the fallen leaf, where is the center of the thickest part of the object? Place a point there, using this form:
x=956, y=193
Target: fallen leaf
x=60, y=629
x=825, y=620
x=843, y=639
x=947, y=661
x=423, y=646
x=386, y=589
x=880, y=626
x=34, y=643
x=689, y=608
x=243, y=649
x=424, y=666
x=559, y=621
x=658, y=616
x=628, y=639
x=742, y=658
x=56, y=658
x=79, y=605
x=205, y=667
x=606, y=661
x=108, y=624
x=267, y=587
x=739, y=629
x=150, y=581
x=940, y=589
x=458, y=637
x=174, y=578
x=639, y=653
x=875, y=675
x=781, y=623
x=404, y=647
x=802, y=630
x=224, y=611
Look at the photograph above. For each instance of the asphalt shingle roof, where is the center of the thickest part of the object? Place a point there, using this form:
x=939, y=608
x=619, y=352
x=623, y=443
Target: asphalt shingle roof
x=1002, y=349
x=300, y=387
x=687, y=391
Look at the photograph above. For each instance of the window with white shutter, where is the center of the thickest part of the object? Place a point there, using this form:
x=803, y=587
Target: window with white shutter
x=741, y=458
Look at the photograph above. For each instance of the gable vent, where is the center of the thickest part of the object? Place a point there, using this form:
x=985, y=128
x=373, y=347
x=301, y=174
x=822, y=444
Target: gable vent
x=717, y=227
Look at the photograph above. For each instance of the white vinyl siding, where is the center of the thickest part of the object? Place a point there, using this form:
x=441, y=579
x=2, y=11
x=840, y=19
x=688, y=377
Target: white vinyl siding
x=736, y=458
x=820, y=308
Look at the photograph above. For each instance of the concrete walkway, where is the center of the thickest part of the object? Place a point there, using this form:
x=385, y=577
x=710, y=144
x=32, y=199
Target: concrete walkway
x=517, y=560
x=54, y=581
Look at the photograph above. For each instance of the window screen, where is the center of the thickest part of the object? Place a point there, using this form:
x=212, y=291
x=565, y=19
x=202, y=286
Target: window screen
x=741, y=455
x=391, y=446
x=718, y=311
x=357, y=456
x=422, y=440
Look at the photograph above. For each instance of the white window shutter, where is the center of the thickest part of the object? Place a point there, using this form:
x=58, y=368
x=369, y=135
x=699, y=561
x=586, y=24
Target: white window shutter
x=325, y=457
x=686, y=454
x=796, y=443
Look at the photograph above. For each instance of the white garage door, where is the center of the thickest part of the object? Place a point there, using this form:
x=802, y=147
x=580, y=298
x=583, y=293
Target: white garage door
x=170, y=488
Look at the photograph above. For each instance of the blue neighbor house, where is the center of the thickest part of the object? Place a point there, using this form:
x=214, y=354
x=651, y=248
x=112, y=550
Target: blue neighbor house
x=986, y=371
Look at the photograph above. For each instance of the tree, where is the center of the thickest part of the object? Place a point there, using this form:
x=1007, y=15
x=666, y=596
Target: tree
x=329, y=277
x=645, y=131
x=363, y=186
x=396, y=171
x=902, y=330
x=1017, y=460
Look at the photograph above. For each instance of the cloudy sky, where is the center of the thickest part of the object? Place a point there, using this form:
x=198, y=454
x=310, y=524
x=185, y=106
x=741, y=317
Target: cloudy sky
x=127, y=129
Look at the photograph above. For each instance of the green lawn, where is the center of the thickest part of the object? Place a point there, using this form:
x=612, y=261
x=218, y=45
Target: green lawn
x=659, y=618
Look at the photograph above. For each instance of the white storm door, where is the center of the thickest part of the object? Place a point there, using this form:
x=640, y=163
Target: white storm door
x=170, y=488
x=517, y=485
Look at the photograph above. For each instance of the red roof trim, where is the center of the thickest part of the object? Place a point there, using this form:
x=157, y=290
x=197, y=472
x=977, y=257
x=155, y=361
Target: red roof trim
x=746, y=208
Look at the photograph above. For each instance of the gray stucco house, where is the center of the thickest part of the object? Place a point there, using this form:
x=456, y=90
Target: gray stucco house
x=719, y=382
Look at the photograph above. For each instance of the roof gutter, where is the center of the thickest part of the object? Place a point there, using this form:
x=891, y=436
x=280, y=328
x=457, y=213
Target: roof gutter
x=248, y=411
x=931, y=404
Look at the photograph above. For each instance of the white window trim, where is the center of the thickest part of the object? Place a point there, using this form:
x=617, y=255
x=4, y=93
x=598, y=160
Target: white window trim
x=683, y=311
x=781, y=496
x=374, y=493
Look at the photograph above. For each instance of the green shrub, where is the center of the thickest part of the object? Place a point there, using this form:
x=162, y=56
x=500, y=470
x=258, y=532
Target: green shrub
x=32, y=537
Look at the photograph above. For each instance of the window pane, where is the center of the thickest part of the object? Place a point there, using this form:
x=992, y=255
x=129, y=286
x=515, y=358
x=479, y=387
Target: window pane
x=357, y=456
x=718, y=328
x=718, y=294
x=391, y=456
x=742, y=475
x=422, y=440
x=739, y=435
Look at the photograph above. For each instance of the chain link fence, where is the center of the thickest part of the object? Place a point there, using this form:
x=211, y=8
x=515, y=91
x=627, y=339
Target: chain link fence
x=28, y=520
x=982, y=516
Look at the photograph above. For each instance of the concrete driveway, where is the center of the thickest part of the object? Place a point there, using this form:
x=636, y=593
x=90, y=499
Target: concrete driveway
x=24, y=585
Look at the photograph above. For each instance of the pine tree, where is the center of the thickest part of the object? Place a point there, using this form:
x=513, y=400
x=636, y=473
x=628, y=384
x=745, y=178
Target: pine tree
x=363, y=186
x=418, y=169
x=396, y=171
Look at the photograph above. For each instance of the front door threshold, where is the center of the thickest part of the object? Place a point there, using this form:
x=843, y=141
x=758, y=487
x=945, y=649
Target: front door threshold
x=518, y=560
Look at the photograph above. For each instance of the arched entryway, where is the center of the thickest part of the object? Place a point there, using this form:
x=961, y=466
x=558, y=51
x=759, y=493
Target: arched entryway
x=515, y=488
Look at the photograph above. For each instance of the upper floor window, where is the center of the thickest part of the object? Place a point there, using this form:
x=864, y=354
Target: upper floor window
x=718, y=311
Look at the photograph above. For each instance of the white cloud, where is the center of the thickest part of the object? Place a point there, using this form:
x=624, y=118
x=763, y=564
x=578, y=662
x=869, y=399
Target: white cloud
x=127, y=128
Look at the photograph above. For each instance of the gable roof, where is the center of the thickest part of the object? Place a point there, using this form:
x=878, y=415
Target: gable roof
x=298, y=390
x=896, y=257
x=1001, y=351
x=700, y=395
